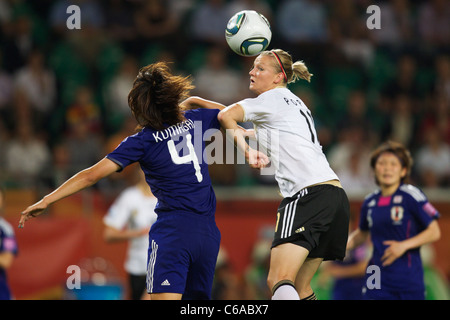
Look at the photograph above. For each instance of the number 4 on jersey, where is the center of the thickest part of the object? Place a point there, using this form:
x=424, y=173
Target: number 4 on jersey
x=192, y=156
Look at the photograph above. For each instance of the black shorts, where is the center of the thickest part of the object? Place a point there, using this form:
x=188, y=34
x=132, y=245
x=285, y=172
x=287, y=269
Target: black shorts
x=316, y=218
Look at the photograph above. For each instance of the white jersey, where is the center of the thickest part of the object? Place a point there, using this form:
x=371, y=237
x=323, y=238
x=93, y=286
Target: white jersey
x=133, y=210
x=285, y=130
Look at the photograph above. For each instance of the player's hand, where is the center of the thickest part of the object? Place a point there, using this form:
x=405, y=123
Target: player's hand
x=394, y=251
x=256, y=159
x=31, y=212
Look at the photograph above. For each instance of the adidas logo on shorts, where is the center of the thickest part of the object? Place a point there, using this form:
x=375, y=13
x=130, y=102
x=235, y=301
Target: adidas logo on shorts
x=301, y=229
x=165, y=283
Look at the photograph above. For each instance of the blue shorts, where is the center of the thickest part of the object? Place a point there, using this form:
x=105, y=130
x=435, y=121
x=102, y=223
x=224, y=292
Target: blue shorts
x=182, y=255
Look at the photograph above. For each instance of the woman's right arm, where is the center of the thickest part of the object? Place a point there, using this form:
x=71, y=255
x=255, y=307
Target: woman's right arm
x=357, y=238
x=78, y=182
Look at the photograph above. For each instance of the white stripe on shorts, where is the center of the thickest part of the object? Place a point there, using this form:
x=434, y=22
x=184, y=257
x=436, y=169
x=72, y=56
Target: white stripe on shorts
x=288, y=219
x=151, y=267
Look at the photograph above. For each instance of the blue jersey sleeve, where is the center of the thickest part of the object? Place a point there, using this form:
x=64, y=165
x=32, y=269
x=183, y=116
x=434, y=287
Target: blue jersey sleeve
x=8, y=241
x=419, y=206
x=130, y=150
x=207, y=116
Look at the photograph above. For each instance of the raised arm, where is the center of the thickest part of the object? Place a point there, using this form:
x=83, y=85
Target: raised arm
x=197, y=102
x=229, y=119
x=78, y=182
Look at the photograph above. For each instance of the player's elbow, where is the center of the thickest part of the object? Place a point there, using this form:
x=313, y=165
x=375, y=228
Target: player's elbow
x=222, y=116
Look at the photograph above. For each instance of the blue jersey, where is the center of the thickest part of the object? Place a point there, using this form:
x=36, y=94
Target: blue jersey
x=8, y=243
x=173, y=163
x=184, y=240
x=400, y=216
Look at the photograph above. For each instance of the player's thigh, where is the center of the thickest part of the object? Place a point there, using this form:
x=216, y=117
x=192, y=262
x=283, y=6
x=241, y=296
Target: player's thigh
x=285, y=262
x=165, y=296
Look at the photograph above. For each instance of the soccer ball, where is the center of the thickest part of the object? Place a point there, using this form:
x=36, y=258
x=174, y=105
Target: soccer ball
x=248, y=33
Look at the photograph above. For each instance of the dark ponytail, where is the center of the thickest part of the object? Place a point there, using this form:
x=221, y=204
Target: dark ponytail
x=156, y=94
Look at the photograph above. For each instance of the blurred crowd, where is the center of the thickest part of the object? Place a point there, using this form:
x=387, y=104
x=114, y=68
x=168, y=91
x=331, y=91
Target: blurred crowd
x=63, y=92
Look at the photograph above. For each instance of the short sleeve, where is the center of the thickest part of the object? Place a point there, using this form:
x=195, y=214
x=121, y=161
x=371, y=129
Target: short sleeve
x=130, y=150
x=256, y=110
x=8, y=241
x=419, y=206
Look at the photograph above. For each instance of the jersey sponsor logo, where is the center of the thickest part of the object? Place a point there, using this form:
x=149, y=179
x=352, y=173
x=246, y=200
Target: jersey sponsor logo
x=397, y=215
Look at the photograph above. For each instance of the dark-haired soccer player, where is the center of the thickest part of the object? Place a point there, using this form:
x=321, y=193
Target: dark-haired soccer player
x=399, y=219
x=184, y=241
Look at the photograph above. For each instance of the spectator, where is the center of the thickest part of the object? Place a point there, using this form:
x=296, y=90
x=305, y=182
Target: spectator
x=84, y=109
x=116, y=93
x=208, y=22
x=90, y=39
x=441, y=85
x=401, y=125
x=433, y=160
x=18, y=44
x=434, y=23
x=405, y=82
x=255, y=276
x=84, y=146
x=437, y=116
x=216, y=80
x=58, y=169
x=302, y=21
x=39, y=84
x=4, y=140
x=261, y=6
x=398, y=24
x=119, y=22
x=155, y=23
x=6, y=91
x=349, y=156
x=26, y=156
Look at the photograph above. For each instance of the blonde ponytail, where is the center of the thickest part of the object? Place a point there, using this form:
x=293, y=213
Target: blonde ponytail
x=300, y=71
x=292, y=71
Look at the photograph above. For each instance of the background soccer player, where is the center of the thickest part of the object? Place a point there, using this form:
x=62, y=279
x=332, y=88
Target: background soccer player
x=399, y=219
x=8, y=250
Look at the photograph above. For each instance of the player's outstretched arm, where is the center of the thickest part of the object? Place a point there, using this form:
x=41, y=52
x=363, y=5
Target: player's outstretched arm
x=78, y=182
x=197, y=102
